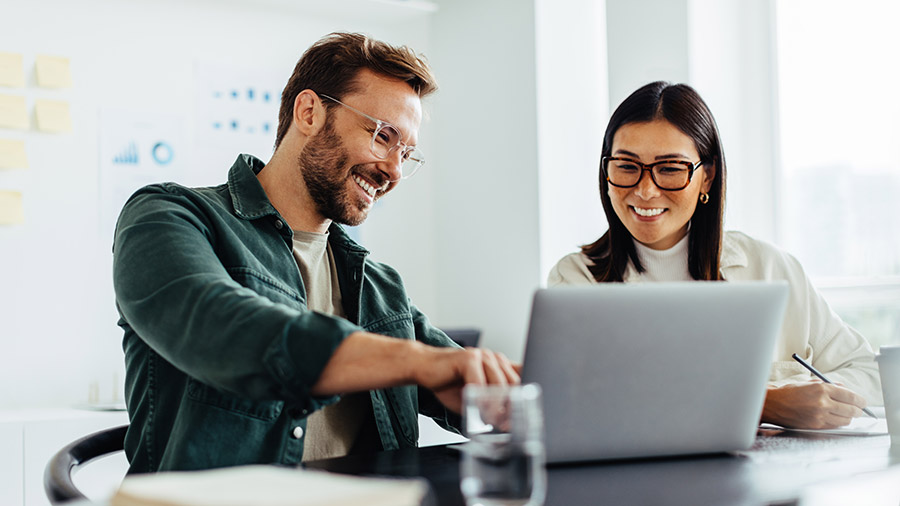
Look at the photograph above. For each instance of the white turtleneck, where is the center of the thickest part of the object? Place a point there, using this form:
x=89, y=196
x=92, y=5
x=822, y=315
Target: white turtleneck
x=664, y=265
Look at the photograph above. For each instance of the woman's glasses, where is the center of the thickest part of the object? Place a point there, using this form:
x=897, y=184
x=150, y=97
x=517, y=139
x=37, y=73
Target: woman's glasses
x=669, y=175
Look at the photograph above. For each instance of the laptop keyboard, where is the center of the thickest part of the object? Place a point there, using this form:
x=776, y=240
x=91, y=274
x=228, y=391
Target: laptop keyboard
x=802, y=447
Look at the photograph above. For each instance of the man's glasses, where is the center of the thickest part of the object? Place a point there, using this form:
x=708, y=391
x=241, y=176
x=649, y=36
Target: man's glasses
x=666, y=174
x=385, y=139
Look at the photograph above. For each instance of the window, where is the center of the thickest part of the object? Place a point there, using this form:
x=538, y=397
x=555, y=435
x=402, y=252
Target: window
x=838, y=71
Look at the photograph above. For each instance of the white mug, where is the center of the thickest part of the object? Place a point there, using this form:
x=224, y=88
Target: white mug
x=888, y=359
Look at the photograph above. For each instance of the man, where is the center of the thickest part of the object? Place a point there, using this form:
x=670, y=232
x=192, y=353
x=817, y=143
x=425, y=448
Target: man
x=256, y=330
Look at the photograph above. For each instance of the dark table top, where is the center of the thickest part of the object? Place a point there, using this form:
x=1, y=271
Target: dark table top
x=773, y=472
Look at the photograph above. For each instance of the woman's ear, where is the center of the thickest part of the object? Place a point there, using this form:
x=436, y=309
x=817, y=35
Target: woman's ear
x=709, y=171
x=309, y=113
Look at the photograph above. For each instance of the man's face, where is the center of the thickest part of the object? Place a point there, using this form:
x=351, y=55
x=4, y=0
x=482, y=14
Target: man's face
x=342, y=175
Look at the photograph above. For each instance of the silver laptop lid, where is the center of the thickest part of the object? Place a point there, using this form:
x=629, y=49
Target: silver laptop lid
x=652, y=369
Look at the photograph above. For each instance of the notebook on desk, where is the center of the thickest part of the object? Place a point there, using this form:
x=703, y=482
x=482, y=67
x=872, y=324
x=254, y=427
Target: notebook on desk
x=652, y=369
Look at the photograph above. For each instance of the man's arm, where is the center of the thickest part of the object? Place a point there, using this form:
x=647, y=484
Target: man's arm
x=367, y=361
x=176, y=294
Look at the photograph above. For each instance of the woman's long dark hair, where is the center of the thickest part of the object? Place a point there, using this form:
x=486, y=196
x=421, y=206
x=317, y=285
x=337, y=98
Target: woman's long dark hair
x=680, y=105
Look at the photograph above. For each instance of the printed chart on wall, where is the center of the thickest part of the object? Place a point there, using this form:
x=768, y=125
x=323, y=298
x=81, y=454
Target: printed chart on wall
x=236, y=111
x=136, y=149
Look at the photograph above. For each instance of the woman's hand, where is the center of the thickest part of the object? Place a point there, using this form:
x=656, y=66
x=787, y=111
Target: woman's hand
x=811, y=405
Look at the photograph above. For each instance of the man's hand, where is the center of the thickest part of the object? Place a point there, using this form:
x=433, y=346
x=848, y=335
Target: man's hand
x=811, y=405
x=446, y=371
x=367, y=361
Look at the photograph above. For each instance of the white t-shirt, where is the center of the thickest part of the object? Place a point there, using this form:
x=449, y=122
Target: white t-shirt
x=333, y=430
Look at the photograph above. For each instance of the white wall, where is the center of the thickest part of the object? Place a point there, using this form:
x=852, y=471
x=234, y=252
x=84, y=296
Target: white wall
x=573, y=106
x=648, y=41
x=57, y=318
x=486, y=170
x=732, y=65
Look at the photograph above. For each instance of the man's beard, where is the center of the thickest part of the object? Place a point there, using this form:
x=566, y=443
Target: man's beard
x=321, y=163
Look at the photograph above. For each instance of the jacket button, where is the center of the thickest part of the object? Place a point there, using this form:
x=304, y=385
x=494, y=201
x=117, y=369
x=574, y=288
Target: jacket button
x=298, y=432
x=279, y=224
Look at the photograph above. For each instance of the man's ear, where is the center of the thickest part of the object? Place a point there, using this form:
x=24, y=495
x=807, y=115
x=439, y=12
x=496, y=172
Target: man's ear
x=309, y=113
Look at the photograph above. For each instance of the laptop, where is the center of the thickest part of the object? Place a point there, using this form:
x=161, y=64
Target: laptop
x=652, y=369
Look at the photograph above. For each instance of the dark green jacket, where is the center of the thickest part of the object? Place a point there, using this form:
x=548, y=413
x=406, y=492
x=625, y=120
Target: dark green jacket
x=220, y=349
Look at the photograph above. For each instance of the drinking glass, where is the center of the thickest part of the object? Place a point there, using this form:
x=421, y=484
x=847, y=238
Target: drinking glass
x=503, y=461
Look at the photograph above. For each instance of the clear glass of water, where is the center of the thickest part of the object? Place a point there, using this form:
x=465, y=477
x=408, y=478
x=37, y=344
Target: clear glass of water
x=503, y=461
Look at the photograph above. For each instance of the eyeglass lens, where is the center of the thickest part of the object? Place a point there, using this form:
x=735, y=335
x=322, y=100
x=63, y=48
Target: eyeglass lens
x=668, y=175
x=386, y=139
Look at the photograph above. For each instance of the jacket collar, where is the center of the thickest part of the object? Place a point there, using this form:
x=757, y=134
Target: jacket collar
x=250, y=200
x=339, y=238
x=732, y=254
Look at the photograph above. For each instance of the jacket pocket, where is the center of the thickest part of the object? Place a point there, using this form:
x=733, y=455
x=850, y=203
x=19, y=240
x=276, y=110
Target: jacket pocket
x=394, y=325
x=267, y=286
x=260, y=410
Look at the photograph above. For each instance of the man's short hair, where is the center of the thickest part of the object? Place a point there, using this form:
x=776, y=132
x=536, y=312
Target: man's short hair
x=330, y=67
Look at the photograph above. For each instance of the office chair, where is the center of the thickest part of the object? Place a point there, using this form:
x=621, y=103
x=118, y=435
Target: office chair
x=58, y=474
x=464, y=336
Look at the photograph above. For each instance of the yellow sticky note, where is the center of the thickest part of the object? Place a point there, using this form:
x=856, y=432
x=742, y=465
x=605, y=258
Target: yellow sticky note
x=13, y=113
x=52, y=71
x=11, y=70
x=53, y=116
x=11, y=210
x=12, y=154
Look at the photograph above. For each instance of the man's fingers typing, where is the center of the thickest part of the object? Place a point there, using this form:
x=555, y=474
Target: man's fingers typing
x=493, y=372
x=474, y=370
x=511, y=371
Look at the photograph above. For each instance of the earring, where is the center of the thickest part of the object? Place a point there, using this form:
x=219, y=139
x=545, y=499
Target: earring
x=704, y=198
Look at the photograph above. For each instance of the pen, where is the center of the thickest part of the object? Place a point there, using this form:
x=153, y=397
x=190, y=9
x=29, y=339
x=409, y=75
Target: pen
x=823, y=378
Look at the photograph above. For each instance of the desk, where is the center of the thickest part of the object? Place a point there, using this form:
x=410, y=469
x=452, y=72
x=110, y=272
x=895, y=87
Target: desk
x=774, y=471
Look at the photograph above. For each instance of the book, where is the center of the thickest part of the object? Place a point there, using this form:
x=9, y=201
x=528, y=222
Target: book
x=262, y=485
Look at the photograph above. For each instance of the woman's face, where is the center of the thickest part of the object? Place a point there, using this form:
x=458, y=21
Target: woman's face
x=657, y=218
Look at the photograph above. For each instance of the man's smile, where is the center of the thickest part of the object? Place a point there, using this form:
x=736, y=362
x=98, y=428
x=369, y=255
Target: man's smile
x=367, y=186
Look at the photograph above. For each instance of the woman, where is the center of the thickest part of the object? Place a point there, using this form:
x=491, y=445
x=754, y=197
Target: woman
x=662, y=184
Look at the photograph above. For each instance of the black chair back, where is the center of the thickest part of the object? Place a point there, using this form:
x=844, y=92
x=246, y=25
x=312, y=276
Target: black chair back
x=58, y=474
x=464, y=336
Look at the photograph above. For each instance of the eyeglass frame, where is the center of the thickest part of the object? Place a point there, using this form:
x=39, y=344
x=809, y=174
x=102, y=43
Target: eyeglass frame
x=691, y=167
x=379, y=126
